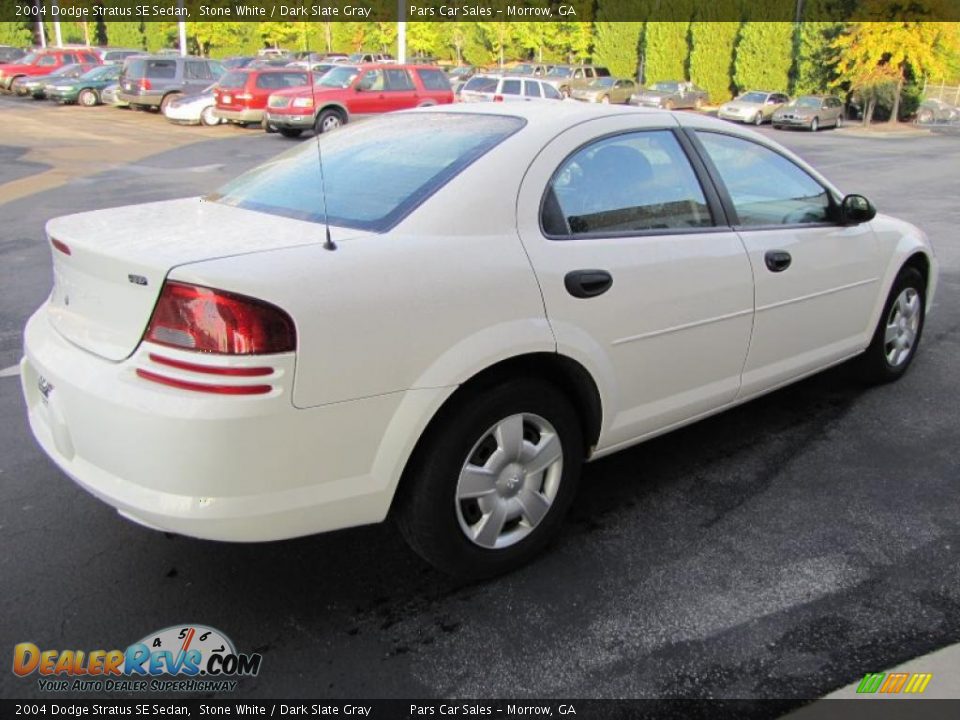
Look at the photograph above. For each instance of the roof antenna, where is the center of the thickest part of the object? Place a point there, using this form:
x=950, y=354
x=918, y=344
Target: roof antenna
x=328, y=243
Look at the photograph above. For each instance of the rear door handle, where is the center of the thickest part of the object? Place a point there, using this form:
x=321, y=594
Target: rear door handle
x=587, y=283
x=777, y=260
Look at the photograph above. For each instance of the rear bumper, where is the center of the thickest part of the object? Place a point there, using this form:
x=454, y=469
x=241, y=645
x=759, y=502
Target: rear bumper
x=290, y=122
x=244, y=116
x=235, y=468
x=148, y=100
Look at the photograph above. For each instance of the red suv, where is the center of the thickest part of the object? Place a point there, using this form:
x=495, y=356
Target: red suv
x=44, y=62
x=242, y=94
x=349, y=90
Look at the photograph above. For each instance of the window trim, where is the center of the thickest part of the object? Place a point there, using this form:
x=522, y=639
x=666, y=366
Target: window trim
x=714, y=205
x=727, y=201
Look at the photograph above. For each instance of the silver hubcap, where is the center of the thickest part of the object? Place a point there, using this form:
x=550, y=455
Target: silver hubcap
x=509, y=481
x=903, y=324
x=330, y=123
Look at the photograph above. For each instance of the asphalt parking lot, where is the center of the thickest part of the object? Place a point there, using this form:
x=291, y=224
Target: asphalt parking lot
x=780, y=550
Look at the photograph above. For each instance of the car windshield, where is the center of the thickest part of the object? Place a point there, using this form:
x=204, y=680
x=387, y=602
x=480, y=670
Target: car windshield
x=606, y=82
x=811, y=102
x=753, y=97
x=66, y=71
x=665, y=86
x=340, y=77
x=481, y=83
x=372, y=179
x=28, y=59
x=460, y=71
x=524, y=69
x=356, y=57
x=561, y=72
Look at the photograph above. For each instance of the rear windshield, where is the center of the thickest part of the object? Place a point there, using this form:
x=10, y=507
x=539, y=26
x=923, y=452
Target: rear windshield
x=481, y=84
x=372, y=179
x=279, y=80
x=150, y=68
x=233, y=80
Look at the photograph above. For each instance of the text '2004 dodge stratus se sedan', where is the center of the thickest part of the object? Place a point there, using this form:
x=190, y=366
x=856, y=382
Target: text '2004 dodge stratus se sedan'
x=216, y=367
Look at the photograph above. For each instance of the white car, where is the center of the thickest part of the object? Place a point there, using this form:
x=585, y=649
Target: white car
x=505, y=88
x=223, y=368
x=194, y=109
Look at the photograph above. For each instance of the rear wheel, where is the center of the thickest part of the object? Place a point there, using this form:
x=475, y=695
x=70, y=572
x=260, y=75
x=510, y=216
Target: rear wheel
x=167, y=99
x=290, y=132
x=207, y=116
x=488, y=487
x=898, y=333
x=328, y=120
x=88, y=97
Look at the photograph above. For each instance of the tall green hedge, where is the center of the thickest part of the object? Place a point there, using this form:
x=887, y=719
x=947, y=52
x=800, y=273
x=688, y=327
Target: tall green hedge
x=617, y=46
x=711, y=57
x=125, y=34
x=764, y=56
x=665, y=51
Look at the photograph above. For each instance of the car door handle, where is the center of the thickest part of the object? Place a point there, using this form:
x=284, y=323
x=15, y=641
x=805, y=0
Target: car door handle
x=777, y=260
x=587, y=283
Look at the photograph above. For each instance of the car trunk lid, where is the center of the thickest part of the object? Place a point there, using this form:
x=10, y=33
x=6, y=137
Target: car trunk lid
x=109, y=265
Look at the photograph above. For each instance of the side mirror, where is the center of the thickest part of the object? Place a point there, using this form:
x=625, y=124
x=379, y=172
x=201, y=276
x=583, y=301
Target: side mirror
x=856, y=209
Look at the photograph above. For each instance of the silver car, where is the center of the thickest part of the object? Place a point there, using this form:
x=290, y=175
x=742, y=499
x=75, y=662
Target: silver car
x=810, y=111
x=497, y=88
x=755, y=107
x=606, y=90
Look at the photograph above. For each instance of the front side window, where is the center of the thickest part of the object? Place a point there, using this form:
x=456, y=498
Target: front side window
x=372, y=179
x=765, y=187
x=47, y=60
x=372, y=81
x=549, y=91
x=630, y=183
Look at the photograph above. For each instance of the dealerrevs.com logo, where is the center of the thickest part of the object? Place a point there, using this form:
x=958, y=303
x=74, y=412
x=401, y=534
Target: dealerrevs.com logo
x=181, y=658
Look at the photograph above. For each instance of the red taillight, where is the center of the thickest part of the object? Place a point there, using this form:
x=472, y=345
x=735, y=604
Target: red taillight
x=498, y=98
x=61, y=246
x=145, y=84
x=191, y=317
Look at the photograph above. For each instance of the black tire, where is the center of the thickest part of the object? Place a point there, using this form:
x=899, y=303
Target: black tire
x=874, y=365
x=758, y=119
x=208, y=118
x=88, y=97
x=328, y=120
x=777, y=127
x=267, y=127
x=814, y=125
x=140, y=108
x=290, y=132
x=167, y=99
x=426, y=508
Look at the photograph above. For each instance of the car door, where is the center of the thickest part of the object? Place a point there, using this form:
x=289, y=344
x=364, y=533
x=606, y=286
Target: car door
x=369, y=92
x=816, y=280
x=642, y=280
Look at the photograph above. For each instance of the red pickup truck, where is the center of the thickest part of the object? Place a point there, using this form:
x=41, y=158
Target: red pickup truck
x=347, y=91
x=44, y=62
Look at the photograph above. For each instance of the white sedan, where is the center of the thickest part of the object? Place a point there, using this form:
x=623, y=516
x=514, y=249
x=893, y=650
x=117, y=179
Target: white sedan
x=194, y=109
x=504, y=293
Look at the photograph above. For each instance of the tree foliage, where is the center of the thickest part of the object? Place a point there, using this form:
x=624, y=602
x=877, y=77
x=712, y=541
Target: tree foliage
x=665, y=50
x=17, y=34
x=617, y=46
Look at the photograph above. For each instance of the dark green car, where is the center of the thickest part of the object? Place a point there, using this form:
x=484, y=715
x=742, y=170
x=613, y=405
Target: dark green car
x=84, y=90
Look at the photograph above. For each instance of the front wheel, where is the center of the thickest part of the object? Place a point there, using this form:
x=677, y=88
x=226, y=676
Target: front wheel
x=758, y=120
x=490, y=483
x=839, y=123
x=898, y=333
x=328, y=120
x=814, y=125
x=208, y=117
x=88, y=97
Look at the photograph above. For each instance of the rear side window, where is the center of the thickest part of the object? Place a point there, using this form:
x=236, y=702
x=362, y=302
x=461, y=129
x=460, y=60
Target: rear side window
x=149, y=68
x=233, y=80
x=399, y=79
x=481, y=84
x=603, y=72
x=47, y=60
x=766, y=188
x=531, y=89
x=625, y=184
x=372, y=179
x=434, y=79
x=197, y=71
x=510, y=87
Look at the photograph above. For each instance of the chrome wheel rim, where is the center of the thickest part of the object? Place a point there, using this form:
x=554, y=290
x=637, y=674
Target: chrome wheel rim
x=509, y=481
x=207, y=116
x=330, y=123
x=903, y=325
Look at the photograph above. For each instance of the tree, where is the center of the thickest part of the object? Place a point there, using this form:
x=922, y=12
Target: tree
x=814, y=64
x=496, y=37
x=125, y=34
x=871, y=50
x=455, y=36
x=17, y=34
x=764, y=56
x=575, y=40
x=423, y=38
x=665, y=50
x=279, y=34
x=159, y=35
